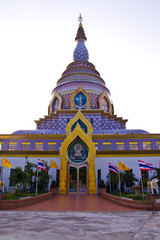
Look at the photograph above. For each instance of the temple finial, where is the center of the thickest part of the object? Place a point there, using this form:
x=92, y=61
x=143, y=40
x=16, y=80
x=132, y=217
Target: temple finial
x=80, y=52
x=80, y=19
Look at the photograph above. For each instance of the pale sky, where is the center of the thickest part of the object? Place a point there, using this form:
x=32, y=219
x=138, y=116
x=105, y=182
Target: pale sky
x=37, y=44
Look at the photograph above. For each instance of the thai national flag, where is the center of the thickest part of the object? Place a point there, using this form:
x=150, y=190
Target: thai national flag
x=112, y=168
x=41, y=165
x=143, y=166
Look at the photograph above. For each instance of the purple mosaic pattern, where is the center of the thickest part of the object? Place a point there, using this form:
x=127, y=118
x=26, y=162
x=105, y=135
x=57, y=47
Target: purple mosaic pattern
x=94, y=103
x=81, y=64
x=66, y=104
x=111, y=124
x=80, y=52
x=85, y=85
x=99, y=124
x=81, y=67
x=80, y=70
x=81, y=77
x=65, y=92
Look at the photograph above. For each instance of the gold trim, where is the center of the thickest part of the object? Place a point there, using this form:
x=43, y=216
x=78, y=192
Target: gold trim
x=77, y=132
x=94, y=136
x=56, y=95
x=23, y=153
x=105, y=96
x=127, y=153
x=80, y=116
x=80, y=89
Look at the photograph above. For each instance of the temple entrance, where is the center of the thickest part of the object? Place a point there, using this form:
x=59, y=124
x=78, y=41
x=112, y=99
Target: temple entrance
x=77, y=179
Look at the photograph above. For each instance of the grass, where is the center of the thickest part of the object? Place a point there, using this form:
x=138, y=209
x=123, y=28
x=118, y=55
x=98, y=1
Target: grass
x=12, y=196
x=132, y=196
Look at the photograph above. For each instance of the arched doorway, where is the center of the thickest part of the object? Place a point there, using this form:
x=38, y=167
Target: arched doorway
x=77, y=179
x=77, y=166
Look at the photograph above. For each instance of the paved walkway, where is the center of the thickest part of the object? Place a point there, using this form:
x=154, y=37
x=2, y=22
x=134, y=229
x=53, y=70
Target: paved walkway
x=79, y=225
x=76, y=202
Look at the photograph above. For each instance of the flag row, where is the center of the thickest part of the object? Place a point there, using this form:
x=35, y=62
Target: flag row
x=143, y=166
x=41, y=165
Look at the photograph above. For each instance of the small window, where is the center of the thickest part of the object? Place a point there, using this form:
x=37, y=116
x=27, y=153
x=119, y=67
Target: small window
x=102, y=132
x=25, y=146
x=12, y=146
x=107, y=146
x=133, y=146
x=119, y=145
x=51, y=146
x=158, y=145
x=147, y=145
x=38, y=146
x=56, y=132
x=1, y=146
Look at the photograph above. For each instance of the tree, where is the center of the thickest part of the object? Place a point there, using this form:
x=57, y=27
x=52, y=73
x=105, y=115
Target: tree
x=126, y=178
x=18, y=178
x=29, y=174
x=114, y=181
x=129, y=178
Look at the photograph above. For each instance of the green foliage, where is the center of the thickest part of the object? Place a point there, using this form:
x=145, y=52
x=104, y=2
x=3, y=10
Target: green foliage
x=18, y=178
x=157, y=172
x=23, y=180
x=114, y=181
x=12, y=196
x=126, y=178
x=29, y=174
x=17, y=191
x=43, y=178
x=129, y=178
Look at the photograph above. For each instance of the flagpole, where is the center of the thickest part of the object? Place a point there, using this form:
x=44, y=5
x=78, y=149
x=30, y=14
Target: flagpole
x=109, y=182
x=37, y=181
x=119, y=184
x=142, y=186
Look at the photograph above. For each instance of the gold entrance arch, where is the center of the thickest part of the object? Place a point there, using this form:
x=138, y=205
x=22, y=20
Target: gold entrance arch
x=86, y=138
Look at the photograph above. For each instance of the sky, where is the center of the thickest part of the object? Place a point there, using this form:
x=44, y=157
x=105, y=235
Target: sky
x=37, y=41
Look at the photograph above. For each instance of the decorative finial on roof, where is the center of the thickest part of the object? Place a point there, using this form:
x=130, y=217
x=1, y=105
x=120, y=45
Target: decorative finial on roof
x=80, y=19
x=80, y=52
x=80, y=33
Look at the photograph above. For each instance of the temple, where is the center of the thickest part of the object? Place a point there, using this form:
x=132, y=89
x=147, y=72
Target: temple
x=81, y=132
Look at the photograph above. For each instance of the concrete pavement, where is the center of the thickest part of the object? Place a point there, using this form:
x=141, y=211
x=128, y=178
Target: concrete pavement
x=25, y=225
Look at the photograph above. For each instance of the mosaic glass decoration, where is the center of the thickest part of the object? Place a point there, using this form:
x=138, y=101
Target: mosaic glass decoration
x=80, y=101
x=78, y=151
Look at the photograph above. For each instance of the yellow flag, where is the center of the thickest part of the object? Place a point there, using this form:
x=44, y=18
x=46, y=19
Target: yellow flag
x=6, y=163
x=122, y=166
x=53, y=164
